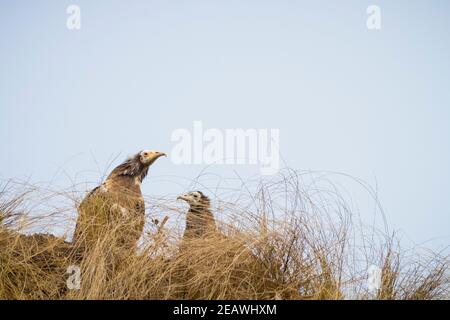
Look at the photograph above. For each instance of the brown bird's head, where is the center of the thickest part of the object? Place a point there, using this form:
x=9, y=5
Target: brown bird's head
x=137, y=165
x=195, y=199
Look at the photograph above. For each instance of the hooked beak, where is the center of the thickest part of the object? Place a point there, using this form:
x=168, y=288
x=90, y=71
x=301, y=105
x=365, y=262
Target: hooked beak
x=160, y=154
x=183, y=197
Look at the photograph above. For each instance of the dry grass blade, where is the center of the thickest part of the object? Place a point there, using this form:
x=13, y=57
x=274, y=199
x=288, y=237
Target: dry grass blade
x=287, y=240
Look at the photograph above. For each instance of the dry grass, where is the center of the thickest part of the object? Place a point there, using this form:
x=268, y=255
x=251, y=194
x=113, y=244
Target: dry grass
x=285, y=240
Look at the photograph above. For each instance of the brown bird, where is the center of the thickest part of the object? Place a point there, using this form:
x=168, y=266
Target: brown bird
x=199, y=219
x=115, y=210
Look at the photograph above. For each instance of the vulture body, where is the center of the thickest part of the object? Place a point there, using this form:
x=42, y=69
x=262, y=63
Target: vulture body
x=115, y=211
x=199, y=220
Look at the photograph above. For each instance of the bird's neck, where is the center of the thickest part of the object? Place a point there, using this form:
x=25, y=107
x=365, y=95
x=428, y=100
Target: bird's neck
x=124, y=183
x=199, y=209
x=199, y=220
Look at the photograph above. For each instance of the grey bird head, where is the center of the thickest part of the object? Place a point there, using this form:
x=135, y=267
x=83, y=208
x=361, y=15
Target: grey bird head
x=195, y=199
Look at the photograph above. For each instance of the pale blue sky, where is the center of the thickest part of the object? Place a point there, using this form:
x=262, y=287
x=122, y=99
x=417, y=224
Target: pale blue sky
x=372, y=104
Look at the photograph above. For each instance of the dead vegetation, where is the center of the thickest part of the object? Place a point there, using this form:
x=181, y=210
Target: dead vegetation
x=284, y=241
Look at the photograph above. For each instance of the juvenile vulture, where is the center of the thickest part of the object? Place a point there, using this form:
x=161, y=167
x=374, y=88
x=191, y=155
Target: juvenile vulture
x=114, y=211
x=199, y=219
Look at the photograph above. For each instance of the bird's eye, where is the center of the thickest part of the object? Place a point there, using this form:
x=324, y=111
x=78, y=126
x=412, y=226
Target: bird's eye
x=145, y=154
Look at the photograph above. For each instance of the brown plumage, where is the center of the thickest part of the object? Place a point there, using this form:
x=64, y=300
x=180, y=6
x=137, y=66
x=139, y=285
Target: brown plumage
x=115, y=209
x=199, y=220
